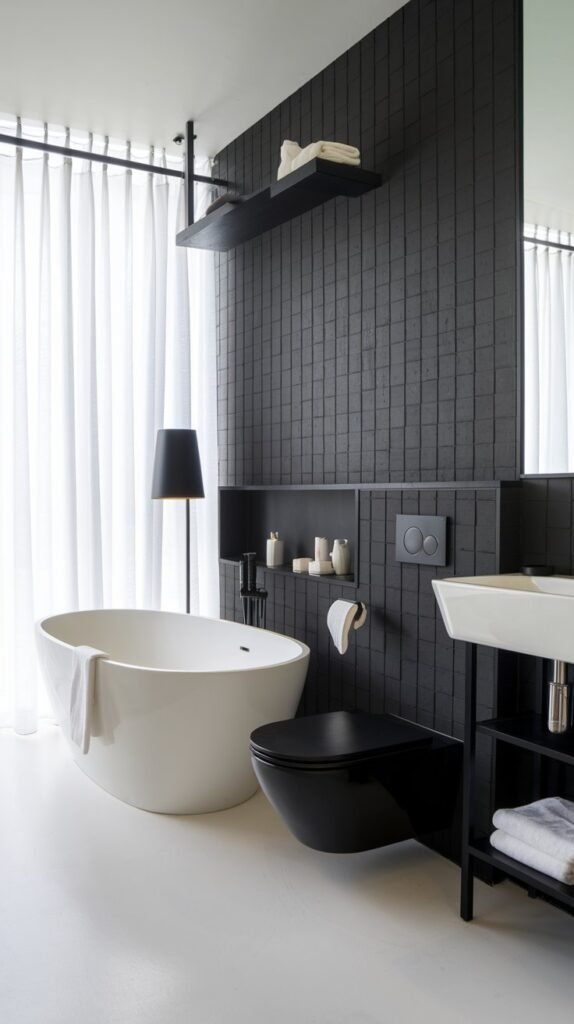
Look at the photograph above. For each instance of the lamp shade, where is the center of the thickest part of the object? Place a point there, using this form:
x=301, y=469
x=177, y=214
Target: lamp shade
x=177, y=466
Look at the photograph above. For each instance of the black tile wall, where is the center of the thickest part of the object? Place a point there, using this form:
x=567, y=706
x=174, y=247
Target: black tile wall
x=402, y=661
x=547, y=523
x=374, y=341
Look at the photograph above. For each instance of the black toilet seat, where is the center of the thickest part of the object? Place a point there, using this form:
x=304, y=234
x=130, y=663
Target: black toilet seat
x=334, y=739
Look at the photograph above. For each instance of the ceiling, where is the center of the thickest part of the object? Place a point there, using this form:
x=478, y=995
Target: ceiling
x=548, y=134
x=138, y=69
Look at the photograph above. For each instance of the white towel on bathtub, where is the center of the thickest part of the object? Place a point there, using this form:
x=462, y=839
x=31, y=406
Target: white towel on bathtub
x=77, y=724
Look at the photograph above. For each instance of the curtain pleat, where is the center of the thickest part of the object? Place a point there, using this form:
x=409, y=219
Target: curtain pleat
x=101, y=323
x=44, y=548
x=66, y=481
x=548, y=356
x=25, y=699
x=105, y=384
x=124, y=527
x=87, y=424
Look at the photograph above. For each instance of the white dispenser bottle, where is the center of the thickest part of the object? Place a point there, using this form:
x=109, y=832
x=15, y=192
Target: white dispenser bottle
x=274, y=551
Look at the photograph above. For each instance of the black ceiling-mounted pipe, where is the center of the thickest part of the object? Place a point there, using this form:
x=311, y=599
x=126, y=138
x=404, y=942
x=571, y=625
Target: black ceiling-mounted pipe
x=546, y=241
x=189, y=172
x=101, y=158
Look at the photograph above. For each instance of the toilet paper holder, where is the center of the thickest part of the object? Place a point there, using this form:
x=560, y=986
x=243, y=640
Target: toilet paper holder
x=360, y=615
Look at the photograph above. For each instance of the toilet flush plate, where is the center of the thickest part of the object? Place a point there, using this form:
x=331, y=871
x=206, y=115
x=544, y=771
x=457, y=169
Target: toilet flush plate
x=421, y=539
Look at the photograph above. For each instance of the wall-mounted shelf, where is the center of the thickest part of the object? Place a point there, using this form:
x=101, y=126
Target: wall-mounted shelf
x=530, y=733
x=535, y=880
x=284, y=570
x=309, y=186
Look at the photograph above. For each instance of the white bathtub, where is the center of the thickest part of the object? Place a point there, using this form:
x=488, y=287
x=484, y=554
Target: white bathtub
x=175, y=702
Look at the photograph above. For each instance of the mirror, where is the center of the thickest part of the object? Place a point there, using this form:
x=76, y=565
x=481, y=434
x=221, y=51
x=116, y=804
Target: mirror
x=548, y=237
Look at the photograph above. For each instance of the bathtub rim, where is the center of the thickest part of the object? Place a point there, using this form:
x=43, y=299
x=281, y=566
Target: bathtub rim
x=304, y=653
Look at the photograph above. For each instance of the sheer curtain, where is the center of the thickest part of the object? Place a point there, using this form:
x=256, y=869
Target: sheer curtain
x=548, y=353
x=107, y=332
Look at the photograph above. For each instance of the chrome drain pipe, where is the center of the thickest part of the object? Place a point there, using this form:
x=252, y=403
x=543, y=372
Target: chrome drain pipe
x=559, y=710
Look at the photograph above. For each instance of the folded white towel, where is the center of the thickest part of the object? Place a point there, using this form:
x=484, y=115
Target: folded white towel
x=289, y=150
x=293, y=157
x=562, y=871
x=547, y=825
x=81, y=697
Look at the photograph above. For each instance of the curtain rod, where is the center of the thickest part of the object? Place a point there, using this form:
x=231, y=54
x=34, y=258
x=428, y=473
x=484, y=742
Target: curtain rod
x=81, y=154
x=554, y=245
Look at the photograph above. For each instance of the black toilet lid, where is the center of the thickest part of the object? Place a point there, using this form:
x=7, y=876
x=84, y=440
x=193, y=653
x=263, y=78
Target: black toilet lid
x=336, y=736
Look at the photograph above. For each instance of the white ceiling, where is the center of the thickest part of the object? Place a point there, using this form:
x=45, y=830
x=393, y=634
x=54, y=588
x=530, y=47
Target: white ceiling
x=139, y=69
x=548, y=117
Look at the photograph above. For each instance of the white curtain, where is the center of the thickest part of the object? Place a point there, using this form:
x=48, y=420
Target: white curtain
x=548, y=353
x=107, y=333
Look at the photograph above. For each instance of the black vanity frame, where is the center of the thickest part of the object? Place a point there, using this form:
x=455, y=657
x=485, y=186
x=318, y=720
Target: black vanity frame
x=529, y=733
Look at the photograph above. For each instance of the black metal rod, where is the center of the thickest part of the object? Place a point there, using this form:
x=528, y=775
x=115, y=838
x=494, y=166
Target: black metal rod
x=469, y=756
x=101, y=158
x=187, y=558
x=553, y=245
x=189, y=169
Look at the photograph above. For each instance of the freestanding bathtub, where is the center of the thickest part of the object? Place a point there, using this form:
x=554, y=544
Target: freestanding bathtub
x=175, y=702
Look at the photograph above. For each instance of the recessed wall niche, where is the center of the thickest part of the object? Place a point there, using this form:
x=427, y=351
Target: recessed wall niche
x=248, y=515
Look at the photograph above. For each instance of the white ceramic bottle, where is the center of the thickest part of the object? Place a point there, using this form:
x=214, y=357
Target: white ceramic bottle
x=274, y=551
x=341, y=557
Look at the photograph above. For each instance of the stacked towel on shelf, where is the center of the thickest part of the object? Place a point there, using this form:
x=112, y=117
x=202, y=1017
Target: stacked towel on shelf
x=540, y=835
x=292, y=156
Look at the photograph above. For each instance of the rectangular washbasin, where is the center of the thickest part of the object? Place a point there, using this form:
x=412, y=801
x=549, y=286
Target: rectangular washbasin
x=528, y=614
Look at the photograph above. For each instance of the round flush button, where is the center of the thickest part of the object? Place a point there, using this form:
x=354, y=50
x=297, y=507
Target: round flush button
x=413, y=540
x=430, y=544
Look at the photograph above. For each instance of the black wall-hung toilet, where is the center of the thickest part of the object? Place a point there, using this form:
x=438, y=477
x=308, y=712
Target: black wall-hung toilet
x=347, y=781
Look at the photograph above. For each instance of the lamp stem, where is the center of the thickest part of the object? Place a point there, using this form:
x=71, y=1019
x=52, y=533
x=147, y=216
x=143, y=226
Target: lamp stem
x=187, y=558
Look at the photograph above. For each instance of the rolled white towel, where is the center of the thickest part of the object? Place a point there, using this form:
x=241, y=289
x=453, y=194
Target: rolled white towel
x=293, y=157
x=547, y=825
x=562, y=871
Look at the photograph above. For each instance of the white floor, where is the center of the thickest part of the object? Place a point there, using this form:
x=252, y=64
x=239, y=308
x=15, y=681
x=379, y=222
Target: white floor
x=109, y=915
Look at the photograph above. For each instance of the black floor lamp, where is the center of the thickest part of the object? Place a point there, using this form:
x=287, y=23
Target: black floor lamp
x=177, y=474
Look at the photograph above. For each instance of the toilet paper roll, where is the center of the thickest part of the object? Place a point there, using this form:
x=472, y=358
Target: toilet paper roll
x=341, y=618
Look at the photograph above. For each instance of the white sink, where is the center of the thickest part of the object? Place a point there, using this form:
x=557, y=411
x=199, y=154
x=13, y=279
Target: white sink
x=528, y=614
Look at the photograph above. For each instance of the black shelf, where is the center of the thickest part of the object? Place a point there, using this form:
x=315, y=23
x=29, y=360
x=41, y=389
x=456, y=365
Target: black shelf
x=309, y=186
x=247, y=517
x=530, y=733
x=558, y=891
x=283, y=570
